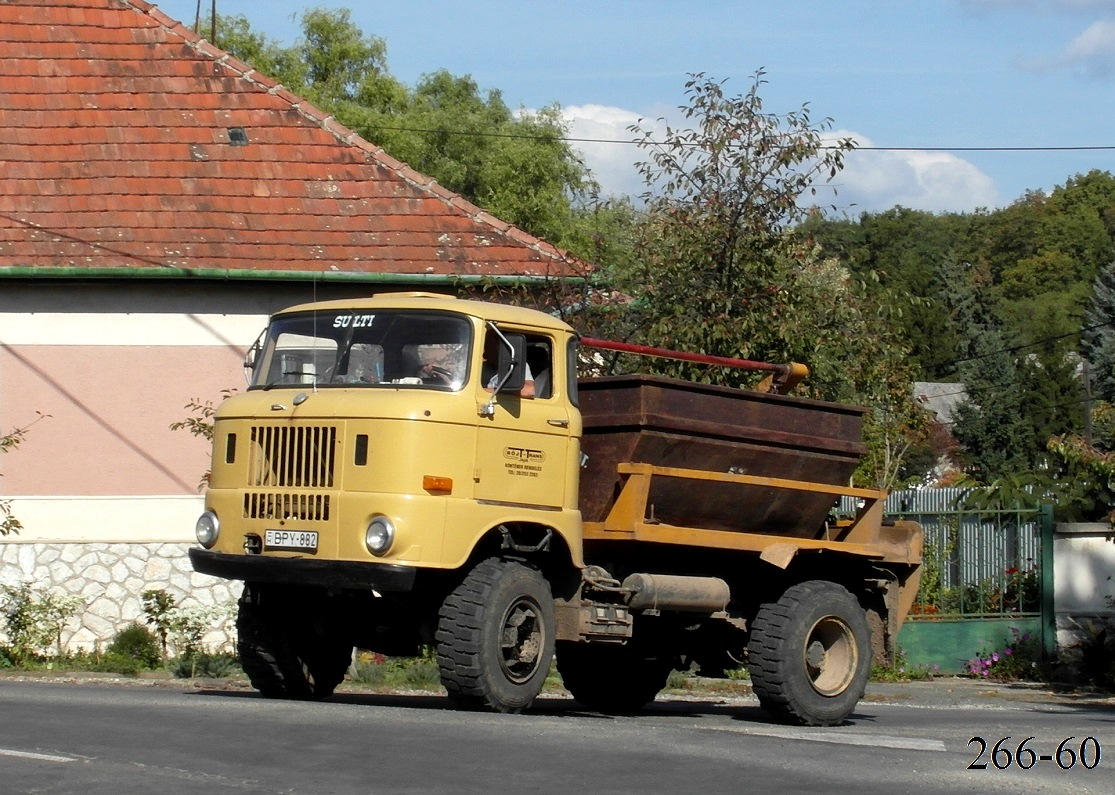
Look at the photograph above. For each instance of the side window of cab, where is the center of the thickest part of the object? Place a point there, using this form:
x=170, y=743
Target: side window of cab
x=538, y=354
x=540, y=365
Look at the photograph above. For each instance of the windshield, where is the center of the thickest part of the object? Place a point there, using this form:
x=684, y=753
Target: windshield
x=360, y=348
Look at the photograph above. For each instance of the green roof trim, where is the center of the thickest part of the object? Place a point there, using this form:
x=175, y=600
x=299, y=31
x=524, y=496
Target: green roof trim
x=18, y=272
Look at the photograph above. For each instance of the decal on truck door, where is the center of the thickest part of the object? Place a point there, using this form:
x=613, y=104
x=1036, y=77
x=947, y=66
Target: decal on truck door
x=523, y=462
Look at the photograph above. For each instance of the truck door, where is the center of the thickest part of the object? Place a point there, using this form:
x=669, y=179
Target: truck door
x=524, y=445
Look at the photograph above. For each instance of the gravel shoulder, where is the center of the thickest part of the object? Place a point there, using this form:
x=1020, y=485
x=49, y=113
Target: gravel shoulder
x=940, y=692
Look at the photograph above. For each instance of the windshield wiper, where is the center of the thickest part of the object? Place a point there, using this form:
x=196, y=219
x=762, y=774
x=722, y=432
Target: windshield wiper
x=283, y=375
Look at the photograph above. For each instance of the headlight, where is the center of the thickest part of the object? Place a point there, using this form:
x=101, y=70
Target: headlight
x=207, y=529
x=380, y=535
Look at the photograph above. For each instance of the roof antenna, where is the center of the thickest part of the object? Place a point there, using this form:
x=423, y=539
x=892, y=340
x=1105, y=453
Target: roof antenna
x=213, y=24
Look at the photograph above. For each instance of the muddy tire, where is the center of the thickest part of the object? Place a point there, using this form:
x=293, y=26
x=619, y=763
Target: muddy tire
x=610, y=678
x=810, y=654
x=495, y=637
x=285, y=652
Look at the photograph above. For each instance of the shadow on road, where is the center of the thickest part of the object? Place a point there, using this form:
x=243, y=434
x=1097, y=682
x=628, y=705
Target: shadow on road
x=553, y=705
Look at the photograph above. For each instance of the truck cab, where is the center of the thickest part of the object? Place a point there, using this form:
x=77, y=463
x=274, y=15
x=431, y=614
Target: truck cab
x=378, y=434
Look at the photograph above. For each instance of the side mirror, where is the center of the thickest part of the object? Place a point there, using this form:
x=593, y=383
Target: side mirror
x=512, y=363
x=251, y=358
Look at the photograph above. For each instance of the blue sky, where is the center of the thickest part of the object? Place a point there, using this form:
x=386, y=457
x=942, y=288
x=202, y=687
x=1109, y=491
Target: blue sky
x=915, y=73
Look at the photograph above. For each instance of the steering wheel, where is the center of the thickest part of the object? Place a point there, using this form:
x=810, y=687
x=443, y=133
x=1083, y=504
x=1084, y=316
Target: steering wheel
x=433, y=374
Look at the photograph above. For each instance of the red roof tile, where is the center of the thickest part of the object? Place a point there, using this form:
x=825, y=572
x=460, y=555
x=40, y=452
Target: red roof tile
x=115, y=152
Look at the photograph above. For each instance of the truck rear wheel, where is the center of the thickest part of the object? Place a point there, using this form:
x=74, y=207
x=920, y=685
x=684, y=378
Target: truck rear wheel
x=284, y=653
x=495, y=637
x=810, y=654
x=609, y=677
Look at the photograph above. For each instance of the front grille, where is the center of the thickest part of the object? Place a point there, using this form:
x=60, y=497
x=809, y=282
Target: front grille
x=304, y=507
x=292, y=456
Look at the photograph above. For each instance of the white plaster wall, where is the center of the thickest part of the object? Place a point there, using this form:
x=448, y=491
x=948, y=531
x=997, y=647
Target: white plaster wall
x=164, y=518
x=1083, y=580
x=140, y=329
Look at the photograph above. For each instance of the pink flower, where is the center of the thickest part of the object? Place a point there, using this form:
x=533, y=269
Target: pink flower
x=1008, y=652
x=995, y=657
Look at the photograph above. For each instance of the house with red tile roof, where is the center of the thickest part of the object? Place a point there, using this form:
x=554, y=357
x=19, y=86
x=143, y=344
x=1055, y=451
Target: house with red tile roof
x=158, y=199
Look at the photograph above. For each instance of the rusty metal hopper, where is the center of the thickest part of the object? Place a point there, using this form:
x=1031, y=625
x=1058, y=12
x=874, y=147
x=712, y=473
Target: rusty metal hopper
x=671, y=423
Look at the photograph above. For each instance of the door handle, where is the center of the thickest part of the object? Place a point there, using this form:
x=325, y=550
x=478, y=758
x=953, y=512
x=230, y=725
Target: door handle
x=558, y=423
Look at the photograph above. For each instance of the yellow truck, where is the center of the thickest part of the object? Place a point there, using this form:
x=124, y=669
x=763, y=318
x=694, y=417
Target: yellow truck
x=413, y=470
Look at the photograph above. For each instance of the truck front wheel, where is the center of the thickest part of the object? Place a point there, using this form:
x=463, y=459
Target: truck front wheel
x=285, y=650
x=495, y=637
x=810, y=654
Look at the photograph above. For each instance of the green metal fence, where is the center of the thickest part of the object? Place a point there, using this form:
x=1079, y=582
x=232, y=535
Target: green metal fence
x=987, y=575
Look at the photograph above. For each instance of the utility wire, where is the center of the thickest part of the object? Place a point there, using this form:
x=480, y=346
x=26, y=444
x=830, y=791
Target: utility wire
x=1036, y=343
x=638, y=142
x=1018, y=405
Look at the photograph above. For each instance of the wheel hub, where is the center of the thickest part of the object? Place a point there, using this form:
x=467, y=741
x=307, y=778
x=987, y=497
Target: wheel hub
x=522, y=640
x=831, y=656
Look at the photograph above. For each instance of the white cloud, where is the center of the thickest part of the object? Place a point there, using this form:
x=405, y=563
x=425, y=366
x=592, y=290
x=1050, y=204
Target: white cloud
x=613, y=164
x=935, y=181
x=871, y=181
x=1091, y=54
x=1093, y=51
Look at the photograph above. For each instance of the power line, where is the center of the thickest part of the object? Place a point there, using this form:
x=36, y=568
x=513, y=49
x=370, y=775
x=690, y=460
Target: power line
x=1036, y=343
x=1012, y=349
x=982, y=148
x=637, y=142
x=1018, y=404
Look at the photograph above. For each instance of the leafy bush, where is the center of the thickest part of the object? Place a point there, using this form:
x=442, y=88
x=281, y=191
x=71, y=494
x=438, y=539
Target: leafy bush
x=902, y=671
x=138, y=643
x=679, y=680
x=422, y=674
x=1021, y=658
x=1097, y=658
x=209, y=665
x=34, y=619
x=108, y=662
x=158, y=606
x=370, y=669
x=414, y=673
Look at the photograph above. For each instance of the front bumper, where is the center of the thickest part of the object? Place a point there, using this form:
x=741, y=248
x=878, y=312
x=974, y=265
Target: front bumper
x=382, y=577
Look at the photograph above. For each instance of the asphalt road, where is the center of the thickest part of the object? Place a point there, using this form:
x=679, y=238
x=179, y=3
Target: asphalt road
x=95, y=737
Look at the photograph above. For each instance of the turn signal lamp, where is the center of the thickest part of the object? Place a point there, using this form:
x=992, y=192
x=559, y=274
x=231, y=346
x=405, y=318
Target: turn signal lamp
x=437, y=483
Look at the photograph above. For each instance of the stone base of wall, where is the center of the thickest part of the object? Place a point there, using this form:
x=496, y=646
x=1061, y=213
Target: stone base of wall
x=1074, y=629
x=111, y=578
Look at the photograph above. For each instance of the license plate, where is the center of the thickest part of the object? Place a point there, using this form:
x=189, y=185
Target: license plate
x=300, y=540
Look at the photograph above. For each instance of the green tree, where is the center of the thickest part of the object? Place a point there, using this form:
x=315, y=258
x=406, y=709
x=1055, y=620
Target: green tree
x=1050, y=394
x=715, y=266
x=899, y=252
x=715, y=260
x=333, y=64
x=987, y=422
x=906, y=247
x=1097, y=341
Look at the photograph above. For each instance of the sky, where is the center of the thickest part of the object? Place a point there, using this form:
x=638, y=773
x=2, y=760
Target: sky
x=905, y=77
